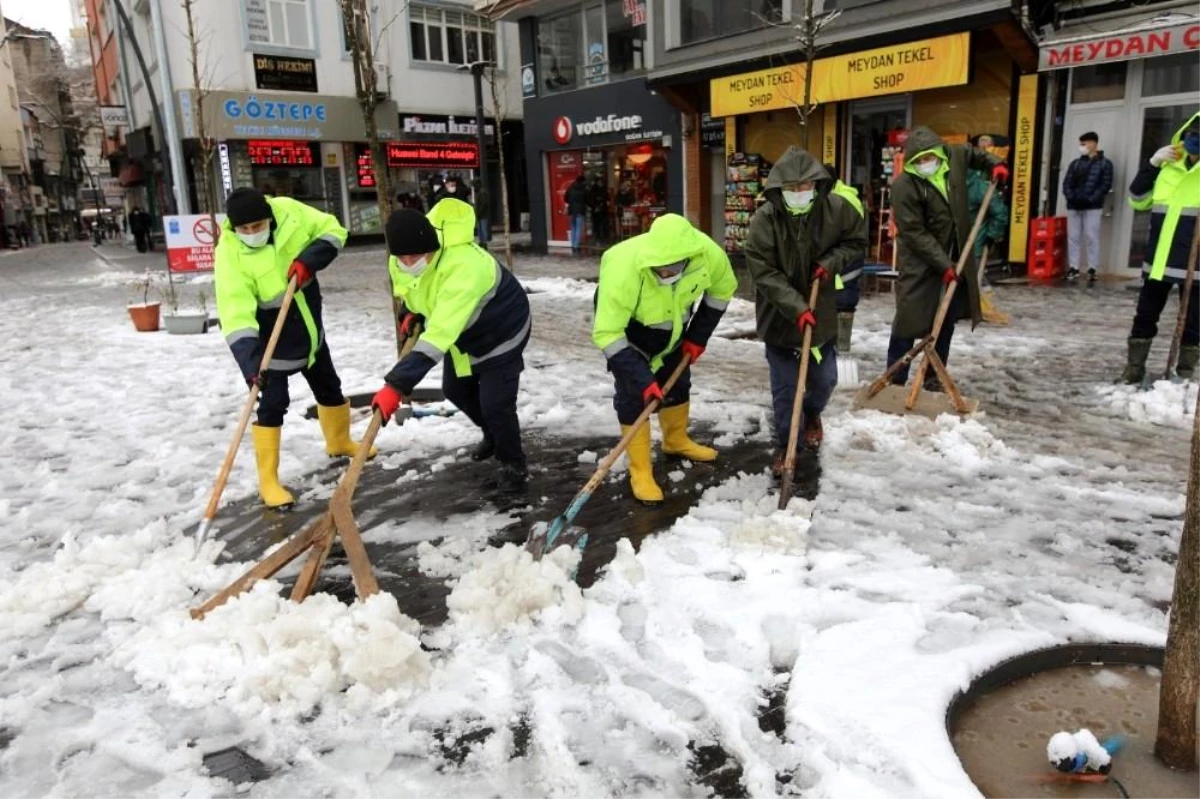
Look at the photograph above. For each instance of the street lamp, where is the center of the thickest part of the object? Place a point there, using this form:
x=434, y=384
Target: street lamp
x=476, y=69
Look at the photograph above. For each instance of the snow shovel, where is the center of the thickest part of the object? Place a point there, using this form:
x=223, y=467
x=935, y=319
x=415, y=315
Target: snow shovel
x=1181, y=323
x=243, y=420
x=318, y=536
x=881, y=395
x=560, y=532
x=789, y=461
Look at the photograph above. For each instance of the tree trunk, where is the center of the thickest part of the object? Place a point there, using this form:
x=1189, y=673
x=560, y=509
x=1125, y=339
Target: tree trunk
x=1179, y=695
x=498, y=115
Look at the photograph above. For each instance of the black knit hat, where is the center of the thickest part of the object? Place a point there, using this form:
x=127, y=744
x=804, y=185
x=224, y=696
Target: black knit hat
x=409, y=233
x=246, y=205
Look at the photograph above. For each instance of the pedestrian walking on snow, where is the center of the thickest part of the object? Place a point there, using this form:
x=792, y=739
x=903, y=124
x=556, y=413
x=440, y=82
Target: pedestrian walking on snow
x=264, y=243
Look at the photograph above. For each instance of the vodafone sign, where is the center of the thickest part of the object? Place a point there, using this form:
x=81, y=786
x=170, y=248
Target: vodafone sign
x=565, y=129
x=1119, y=46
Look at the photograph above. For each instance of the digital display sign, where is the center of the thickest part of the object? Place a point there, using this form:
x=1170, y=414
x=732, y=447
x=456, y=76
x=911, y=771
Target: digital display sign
x=433, y=154
x=268, y=152
x=364, y=166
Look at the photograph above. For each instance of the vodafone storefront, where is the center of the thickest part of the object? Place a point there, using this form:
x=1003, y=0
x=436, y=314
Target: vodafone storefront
x=624, y=141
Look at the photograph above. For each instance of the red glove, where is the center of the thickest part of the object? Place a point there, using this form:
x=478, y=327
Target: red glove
x=258, y=379
x=407, y=323
x=1000, y=173
x=950, y=276
x=386, y=401
x=821, y=275
x=652, y=392
x=299, y=271
x=692, y=350
x=806, y=319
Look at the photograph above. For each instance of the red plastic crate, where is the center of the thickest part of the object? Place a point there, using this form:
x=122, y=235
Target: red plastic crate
x=1048, y=227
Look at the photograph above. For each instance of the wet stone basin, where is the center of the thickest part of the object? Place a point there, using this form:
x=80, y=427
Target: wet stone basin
x=1001, y=738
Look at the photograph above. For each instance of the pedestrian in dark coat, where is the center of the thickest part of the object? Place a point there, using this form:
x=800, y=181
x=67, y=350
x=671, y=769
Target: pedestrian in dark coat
x=930, y=207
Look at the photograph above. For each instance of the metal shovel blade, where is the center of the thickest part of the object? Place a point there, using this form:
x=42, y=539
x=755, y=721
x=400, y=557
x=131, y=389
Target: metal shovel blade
x=545, y=537
x=893, y=399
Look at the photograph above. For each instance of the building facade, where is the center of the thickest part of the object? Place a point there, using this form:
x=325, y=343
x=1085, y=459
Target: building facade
x=16, y=200
x=51, y=131
x=716, y=84
x=277, y=97
x=1131, y=74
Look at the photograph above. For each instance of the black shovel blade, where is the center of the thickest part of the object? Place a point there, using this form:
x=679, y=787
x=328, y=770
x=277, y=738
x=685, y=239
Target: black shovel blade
x=537, y=543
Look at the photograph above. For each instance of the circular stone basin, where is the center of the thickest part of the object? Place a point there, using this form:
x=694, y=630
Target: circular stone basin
x=1000, y=726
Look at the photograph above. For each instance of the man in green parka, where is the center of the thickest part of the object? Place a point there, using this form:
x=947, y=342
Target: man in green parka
x=804, y=232
x=930, y=206
x=659, y=298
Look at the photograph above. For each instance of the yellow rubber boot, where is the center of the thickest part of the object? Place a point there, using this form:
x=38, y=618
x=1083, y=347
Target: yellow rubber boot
x=674, y=423
x=266, y=455
x=335, y=424
x=641, y=469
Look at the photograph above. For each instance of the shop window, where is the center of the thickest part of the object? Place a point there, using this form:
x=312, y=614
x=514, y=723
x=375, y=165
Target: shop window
x=1098, y=83
x=559, y=45
x=707, y=19
x=1172, y=74
x=284, y=23
x=450, y=37
x=626, y=39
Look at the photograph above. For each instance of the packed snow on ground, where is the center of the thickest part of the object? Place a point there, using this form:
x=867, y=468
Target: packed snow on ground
x=1167, y=402
x=934, y=550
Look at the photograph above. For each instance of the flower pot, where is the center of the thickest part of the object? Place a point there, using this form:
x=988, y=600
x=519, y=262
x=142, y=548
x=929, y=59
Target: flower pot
x=186, y=323
x=145, y=317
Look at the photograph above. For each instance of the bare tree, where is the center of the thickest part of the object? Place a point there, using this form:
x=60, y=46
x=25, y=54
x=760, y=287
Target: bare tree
x=807, y=35
x=357, y=22
x=1179, y=693
x=497, y=84
x=206, y=145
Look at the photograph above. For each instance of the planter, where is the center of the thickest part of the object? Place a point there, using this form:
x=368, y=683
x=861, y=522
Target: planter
x=186, y=323
x=145, y=317
x=1001, y=723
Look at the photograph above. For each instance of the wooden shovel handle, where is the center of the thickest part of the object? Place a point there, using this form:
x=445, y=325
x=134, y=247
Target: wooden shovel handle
x=606, y=465
x=789, y=461
x=248, y=407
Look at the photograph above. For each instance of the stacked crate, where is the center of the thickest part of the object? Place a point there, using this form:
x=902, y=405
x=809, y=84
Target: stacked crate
x=1047, y=248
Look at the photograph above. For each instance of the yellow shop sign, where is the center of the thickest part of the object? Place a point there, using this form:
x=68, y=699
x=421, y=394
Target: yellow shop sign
x=914, y=66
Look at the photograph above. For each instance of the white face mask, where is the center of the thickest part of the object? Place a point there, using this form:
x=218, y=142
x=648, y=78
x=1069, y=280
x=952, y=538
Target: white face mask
x=667, y=281
x=799, y=199
x=255, y=239
x=1083, y=150
x=416, y=269
x=929, y=168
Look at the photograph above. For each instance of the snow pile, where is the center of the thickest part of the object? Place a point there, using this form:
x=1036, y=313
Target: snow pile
x=751, y=517
x=261, y=653
x=507, y=587
x=1167, y=403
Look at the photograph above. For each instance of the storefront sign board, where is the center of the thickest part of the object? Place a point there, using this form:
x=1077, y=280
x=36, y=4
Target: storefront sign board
x=914, y=66
x=285, y=74
x=191, y=240
x=1022, y=177
x=267, y=115
x=829, y=135
x=1120, y=46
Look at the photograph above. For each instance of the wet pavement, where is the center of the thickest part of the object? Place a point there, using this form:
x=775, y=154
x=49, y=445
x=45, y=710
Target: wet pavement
x=465, y=487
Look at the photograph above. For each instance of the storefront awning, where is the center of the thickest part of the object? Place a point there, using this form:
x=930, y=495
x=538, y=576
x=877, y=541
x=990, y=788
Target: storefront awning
x=1179, y=33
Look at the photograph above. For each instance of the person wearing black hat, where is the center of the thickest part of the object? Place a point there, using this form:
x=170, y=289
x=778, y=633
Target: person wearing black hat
x=264, y=243
x=471, y=310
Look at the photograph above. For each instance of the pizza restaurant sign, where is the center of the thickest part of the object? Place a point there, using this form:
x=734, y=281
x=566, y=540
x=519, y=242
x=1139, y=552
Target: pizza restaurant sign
x=1120, y=46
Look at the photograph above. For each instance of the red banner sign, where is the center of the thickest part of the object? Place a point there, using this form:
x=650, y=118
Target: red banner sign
x=1120, y=47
